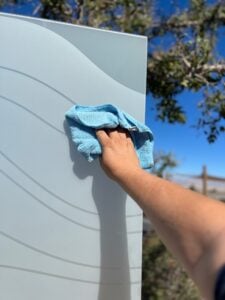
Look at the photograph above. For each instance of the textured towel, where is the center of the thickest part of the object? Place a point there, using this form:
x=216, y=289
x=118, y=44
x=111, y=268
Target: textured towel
x=84, y=120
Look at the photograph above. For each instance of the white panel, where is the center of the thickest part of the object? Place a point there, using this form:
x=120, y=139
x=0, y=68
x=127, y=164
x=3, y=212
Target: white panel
x=66, y=230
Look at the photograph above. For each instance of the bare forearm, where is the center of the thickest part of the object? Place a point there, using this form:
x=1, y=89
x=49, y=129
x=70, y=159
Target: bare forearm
x=191, y=225
x=187, y=222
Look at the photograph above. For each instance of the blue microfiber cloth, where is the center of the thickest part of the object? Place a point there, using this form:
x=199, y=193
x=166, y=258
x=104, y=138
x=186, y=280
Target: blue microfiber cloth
x=84, y=120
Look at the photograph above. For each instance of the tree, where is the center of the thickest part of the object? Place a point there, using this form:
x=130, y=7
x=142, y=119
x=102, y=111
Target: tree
x=190, y=61
x=163, y=163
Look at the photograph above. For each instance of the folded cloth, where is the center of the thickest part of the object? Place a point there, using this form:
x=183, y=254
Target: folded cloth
x=84, y=120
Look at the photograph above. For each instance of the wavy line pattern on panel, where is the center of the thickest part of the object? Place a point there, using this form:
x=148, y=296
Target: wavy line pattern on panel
x=67, y=44
x=32, y=113
x=16, y=268
x=39, y=81
x=53, y=127
x=30, y=177
x=40, y=251
x=45, y=205
x=40, y=272
x=101, y=67
x=92, y=60
x=43, y=187
x=56, y=212
x=52, y=193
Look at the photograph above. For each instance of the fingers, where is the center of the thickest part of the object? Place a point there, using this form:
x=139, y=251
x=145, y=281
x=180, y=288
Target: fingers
x=102, y=136
x=113, y=133
x=122, y=133
x=129, y=139
x=116, y=134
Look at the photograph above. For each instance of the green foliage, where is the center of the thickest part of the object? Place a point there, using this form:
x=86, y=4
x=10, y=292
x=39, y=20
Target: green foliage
x=59, y=10
x=126, y=16
x=163, y=163
x=189, y=62
x=213, y=113
x=162, y=277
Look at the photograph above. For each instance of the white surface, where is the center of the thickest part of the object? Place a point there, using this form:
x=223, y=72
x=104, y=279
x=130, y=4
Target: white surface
x=66, y=231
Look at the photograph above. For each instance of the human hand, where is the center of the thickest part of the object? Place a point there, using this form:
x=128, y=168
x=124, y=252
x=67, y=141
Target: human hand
x=118, y=154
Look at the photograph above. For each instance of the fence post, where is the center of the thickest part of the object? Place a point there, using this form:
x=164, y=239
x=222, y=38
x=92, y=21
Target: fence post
x=204, y=180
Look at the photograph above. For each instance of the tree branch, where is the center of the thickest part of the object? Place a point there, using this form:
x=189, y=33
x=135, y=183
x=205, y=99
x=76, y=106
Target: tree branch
x=219, y=68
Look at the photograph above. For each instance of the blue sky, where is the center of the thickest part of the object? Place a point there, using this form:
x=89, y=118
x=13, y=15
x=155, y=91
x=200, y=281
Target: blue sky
x=189, y=145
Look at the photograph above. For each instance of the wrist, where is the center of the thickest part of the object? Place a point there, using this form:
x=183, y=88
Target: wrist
x=127, y=175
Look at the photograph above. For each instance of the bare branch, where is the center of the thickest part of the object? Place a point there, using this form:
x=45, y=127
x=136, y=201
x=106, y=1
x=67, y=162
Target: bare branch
x=219, y=68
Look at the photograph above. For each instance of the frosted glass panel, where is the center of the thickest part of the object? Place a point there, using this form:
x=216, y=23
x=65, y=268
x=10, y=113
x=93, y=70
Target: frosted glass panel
x=66, y=230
